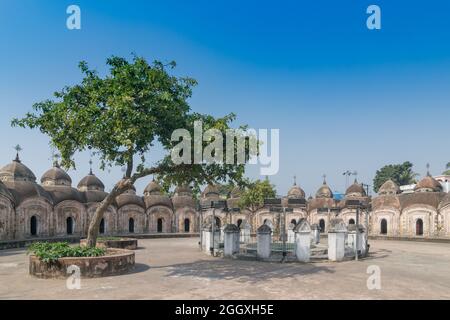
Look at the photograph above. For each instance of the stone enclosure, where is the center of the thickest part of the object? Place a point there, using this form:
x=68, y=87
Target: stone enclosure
x=117, y=261
x=302, y=243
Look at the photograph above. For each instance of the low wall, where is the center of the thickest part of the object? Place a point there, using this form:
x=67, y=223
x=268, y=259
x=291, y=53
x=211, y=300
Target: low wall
x=11, y=244
x=118, y=261
x=124, y=243
x=417, y=239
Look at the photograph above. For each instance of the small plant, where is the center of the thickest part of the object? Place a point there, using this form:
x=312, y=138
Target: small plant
x=50, y=252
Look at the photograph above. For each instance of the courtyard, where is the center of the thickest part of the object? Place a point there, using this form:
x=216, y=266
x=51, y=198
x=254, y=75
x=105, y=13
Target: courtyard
x=176, y=269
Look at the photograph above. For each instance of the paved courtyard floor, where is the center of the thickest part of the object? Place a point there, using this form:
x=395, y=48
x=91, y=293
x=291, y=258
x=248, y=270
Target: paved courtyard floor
x=176, y=269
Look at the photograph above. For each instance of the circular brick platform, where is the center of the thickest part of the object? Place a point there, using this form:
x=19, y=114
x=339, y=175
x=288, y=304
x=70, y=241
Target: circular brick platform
x=115, y=262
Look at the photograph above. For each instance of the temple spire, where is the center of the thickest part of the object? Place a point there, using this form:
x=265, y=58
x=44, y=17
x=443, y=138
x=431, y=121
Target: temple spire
x=90, y=167
x=56, y=158
x=18, y=148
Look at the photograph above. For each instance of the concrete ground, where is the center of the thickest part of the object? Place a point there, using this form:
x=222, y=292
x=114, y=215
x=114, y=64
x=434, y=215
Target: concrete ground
x=176, y=269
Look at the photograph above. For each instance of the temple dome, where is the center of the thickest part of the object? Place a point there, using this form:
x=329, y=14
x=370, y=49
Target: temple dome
x=183, y=190
x=129, y=197
x=91, y=183
x=153, y=188
x=154, y=196
x=16, y=171
x=389, y=188
x=428, y=184
x=210, y=191
x=356, y=190
x=56, y=177
x=324, y=191
x=5, y=192
x=236, y=192
x=296, y=192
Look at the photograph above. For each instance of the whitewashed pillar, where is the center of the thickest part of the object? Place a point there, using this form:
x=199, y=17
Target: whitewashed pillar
x=264, y=238
x=336, y=242
x=231, y=240
x=315, y=234
x=303, y=241
x=291, y=233
x=245, y=232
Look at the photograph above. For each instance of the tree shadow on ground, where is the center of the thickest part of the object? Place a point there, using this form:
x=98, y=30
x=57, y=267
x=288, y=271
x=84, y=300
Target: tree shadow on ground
x=243, y=271
x=378, y=254
x=12, y=252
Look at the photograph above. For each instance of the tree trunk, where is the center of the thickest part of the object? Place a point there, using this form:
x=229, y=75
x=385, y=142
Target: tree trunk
x=94, y=225
x=118, y=189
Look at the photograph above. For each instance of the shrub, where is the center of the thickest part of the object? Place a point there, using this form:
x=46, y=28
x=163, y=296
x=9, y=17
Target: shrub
x=50, y=252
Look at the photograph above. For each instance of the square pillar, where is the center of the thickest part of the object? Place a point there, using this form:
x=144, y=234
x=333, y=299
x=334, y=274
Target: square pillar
x=336, y=242
x=245, y=232
x=264, y=238
x=303, y=241
x=315, y=233
x=231, y=240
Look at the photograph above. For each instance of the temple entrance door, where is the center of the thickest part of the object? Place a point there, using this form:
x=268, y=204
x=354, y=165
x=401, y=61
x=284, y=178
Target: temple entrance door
x=160, y=225
x=33, y=226
x=69, y=225
x=383, y=226
x=419, y=227
x=187, y=225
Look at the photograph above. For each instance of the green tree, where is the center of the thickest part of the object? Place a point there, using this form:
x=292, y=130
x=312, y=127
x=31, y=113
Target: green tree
x=401, y=174
x=252, y=198
x=447, y=169
x=120, y=116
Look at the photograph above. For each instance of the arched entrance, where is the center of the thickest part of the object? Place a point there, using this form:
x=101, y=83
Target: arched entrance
x=33, y=225
x=101, y=229
x=131, y=225
x=69, y=225
x=218, y=223
x=187, y=225
x=322, y=225
x=419, y=227
x=159, y=227
x=383, y=226
x=351, y=221
x=239, y=222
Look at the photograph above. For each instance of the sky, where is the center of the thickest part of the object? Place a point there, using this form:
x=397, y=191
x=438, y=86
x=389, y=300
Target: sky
x=344, y=97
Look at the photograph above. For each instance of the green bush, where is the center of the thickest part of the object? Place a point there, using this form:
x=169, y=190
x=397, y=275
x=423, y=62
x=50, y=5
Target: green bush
x=52, y=251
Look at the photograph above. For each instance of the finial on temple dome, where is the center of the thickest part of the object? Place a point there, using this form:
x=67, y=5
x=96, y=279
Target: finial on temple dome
x=324, y=176
x=295, y=180
x=18, y=148
x=428, y=170
x=90, y=167
x=56, y=158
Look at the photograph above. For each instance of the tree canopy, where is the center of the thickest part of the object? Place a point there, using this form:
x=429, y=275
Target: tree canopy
x=447, y=171
x=120, y=116
x=401, y=174
x=254, y=194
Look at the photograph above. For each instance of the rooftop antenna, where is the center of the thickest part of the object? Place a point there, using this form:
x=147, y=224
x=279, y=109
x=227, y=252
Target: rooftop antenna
x=18, y=148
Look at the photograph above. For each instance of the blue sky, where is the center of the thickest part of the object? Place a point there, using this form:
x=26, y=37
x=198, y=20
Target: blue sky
x=343, y=97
